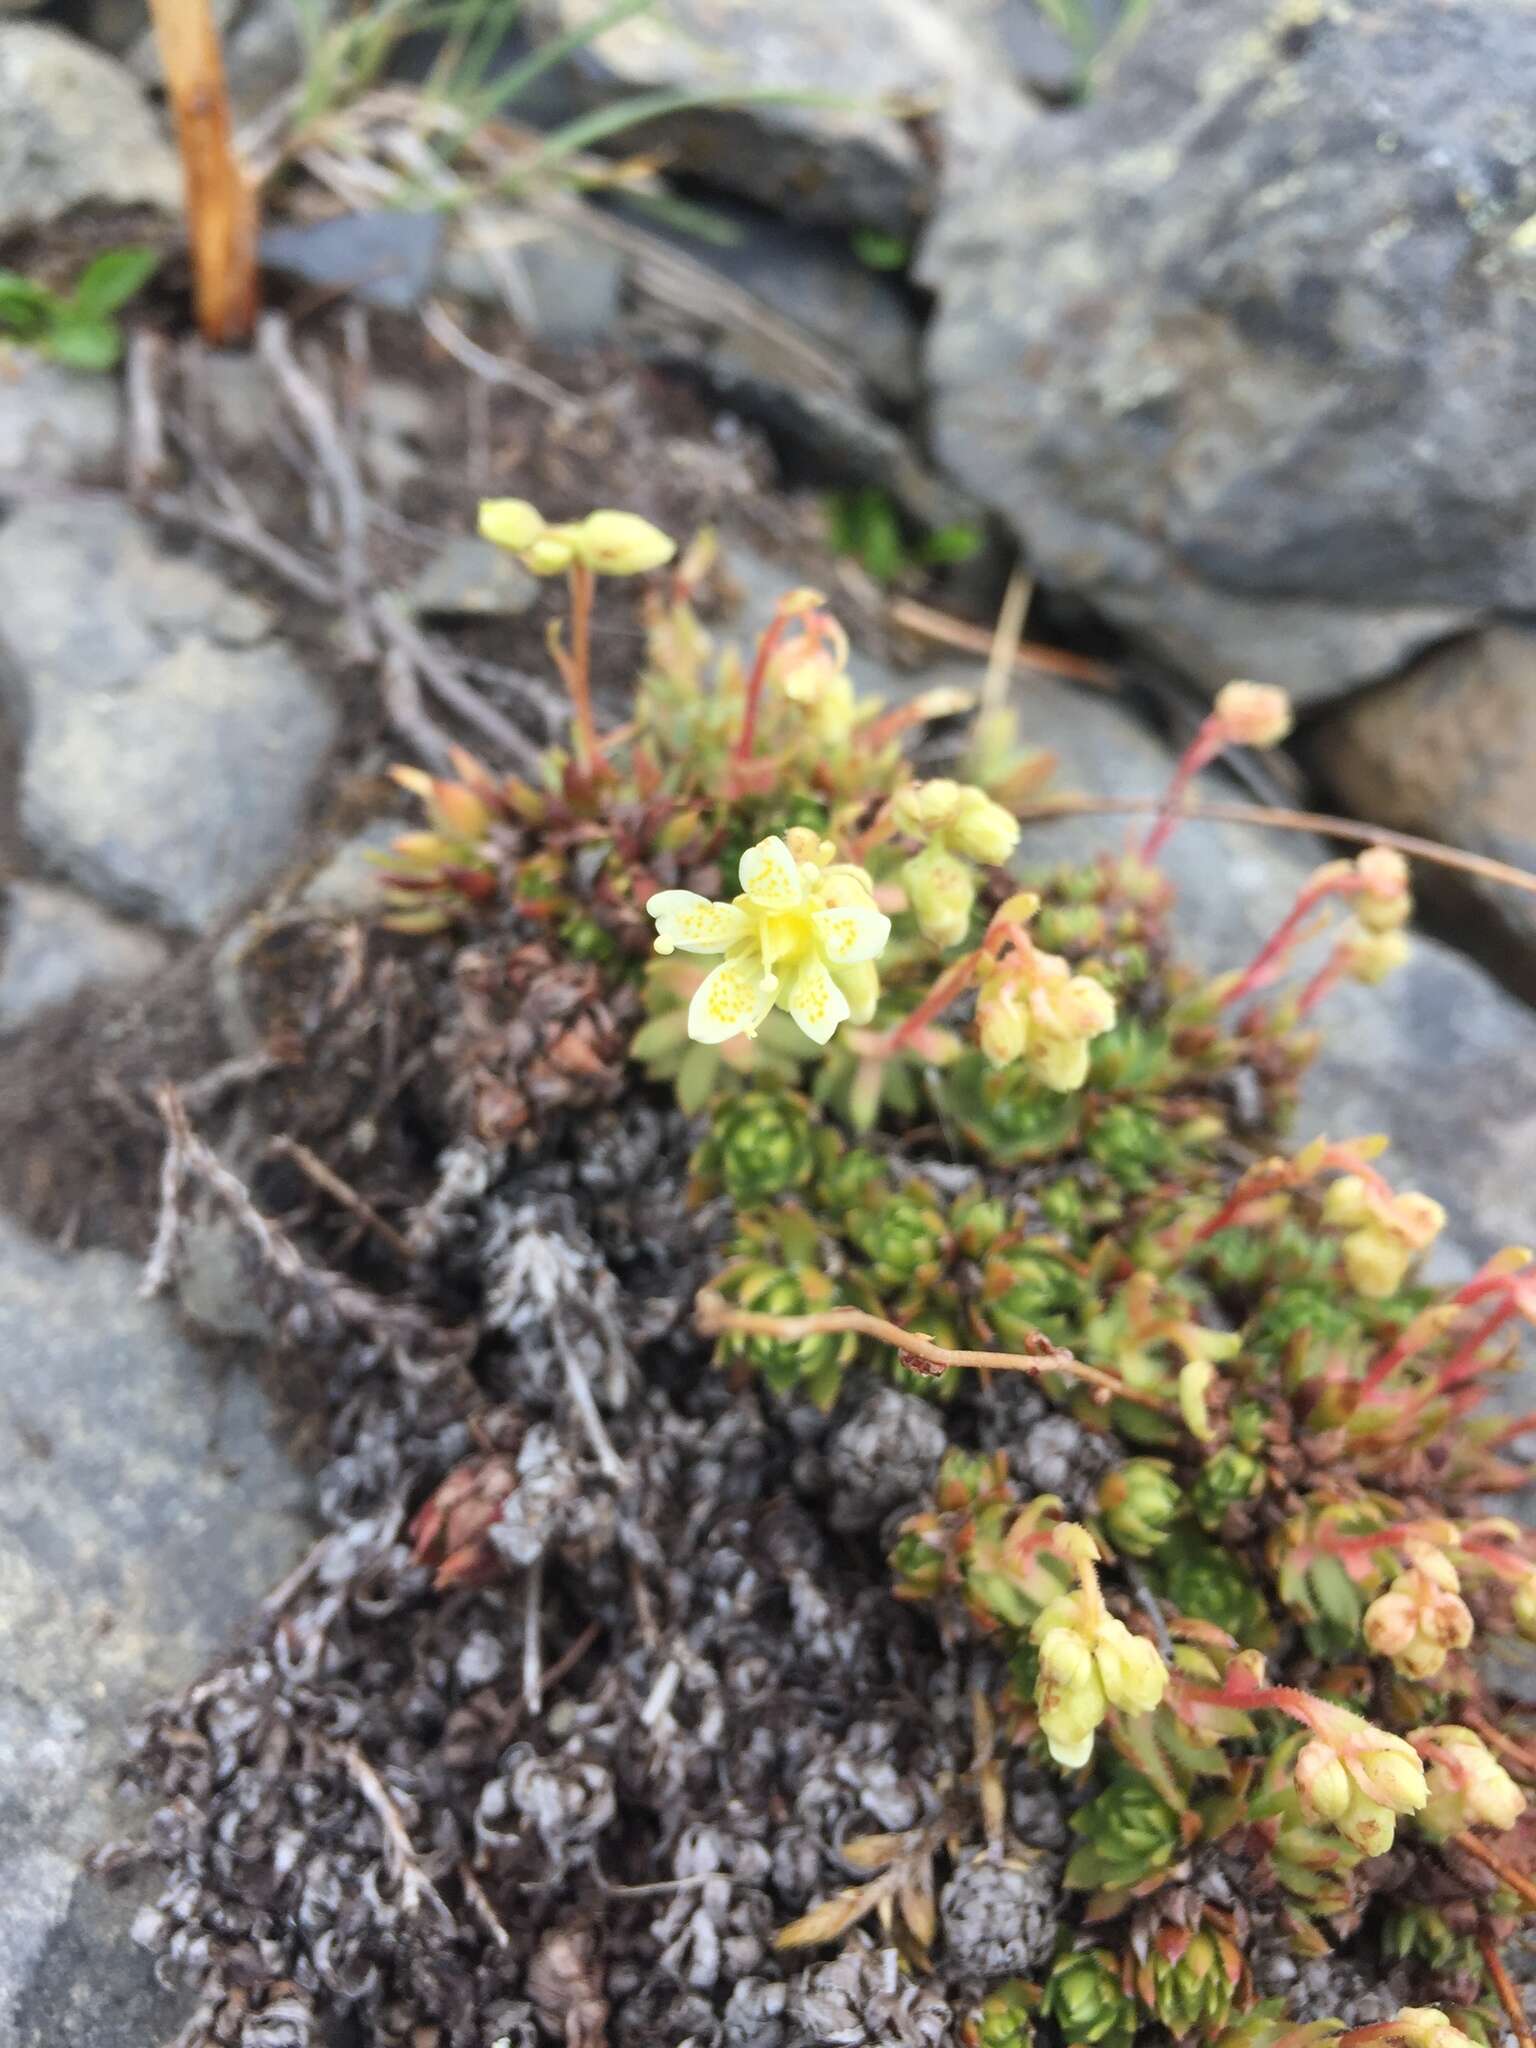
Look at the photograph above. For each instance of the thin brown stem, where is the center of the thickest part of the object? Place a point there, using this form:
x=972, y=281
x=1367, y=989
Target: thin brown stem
x=945, y=631
x=1508, y=1996
x=579, y=668
x=1520, y=1885
x=714, y=1316
x=1282, y=819
x=314, y=1168
x=950, y=984
x=221, y=197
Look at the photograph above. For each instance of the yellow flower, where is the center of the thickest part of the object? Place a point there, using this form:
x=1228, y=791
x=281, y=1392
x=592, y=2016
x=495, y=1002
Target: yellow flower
x=1421, y=1617
x=1254, y=714
x=803, y=936
x=608, y=543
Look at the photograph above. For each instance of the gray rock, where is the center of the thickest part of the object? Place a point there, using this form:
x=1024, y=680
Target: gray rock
x=74, y=127
x=383, y=259
x=563, y=286
x=54, y=422
x=168, y=742
x=347, y=884
x=53, y=944
x=847, y=165
x=147, y=1507
x=469, y=578
x=213, y=1279
x=1236, y=345
x=1449, y=750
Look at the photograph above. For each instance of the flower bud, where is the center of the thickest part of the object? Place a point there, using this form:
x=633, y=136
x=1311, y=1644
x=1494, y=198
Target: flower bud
x=1425, y=2026
x=923, y=808
x=551, y=553
x=1369, y=957
x=1132, y=1673
x=1322, y=1783
x=510, y=523
x=1523, y=1607
x=1254, y=714
x=1002, y=1020
x=1390, y=1773
x=1467, y=1785
x=1061, y=1063
x=942, y=892
x=621, y=544
x=1347, y=1201
x=982, y=829
x=1421, y=1617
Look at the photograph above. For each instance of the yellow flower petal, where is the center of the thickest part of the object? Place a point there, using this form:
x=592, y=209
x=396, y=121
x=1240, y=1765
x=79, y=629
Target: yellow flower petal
x=689, y=923
x=728, y=1001
x=846, y=936
x=770, y=876
x=816, y=1002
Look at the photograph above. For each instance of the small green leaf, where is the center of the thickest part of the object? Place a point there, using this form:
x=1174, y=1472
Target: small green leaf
x=25, y=308
x=84, y=344
x=696, y=1077
x=950, y=544
x=877, y=250
x=107, y=285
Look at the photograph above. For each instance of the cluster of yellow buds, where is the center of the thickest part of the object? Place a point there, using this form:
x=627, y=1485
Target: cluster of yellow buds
x=1421, y=1617
x=1385, y=1232
x=1468, y=1786
x=607, y=543
x=811, y=670
x=1357, y=1777
x=803, y=936
x=1032, y=1007
x=1373, y=943
x=1416, y=2026
x=1253, y=714
x=958, y=824
x=1089, y=1661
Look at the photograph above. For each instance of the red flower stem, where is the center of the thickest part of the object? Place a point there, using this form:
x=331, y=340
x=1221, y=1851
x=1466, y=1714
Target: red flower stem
x=768, y=640
x=1508, y=1996
x=1415, y=1337
x=1324, y=982
x=1200, y=753
x=1266, y=963
x=950, y=984
x=579, y=667
x=1511, y=1430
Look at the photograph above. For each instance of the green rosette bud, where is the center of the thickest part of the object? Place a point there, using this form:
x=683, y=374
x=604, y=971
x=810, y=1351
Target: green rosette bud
x=904, y=1238
x=1086, y=2000
x=1065, y=1208
x=849, y=1178
x=1005, y=1115
x=1302, y=1315
x=1128, y=1832
x=1004, y=2019
x=1190, y=1981
x=1071, y=928
x=761, y=1145
x=1140, y=1502
x=1421, y=1934
x=1131, y=1144
x=811, y=1365
x=1025, y=1288
x=1247, y=1421
x=1208, y=1584
x=1224, y=1481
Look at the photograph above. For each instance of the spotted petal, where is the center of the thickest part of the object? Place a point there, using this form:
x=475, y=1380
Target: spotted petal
x=686, y=923
x=851, y=933
x=770, y=876
x=816, y=1002
x=729, y=1000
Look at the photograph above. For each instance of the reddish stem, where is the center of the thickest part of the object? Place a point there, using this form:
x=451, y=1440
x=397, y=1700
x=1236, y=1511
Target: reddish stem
x=768, y=640
x=944, y=991
x=1200, y=753
x=1415, y=1336
x=1326, y=979
x=1267, y=962
x=1508, y=1996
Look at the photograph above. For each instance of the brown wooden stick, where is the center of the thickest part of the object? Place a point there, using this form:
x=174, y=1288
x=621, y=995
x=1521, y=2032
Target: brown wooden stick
x=713, y=1316
x=1509, y=1997
x=314, y=1168
x=221, y=199
x=945, y=631
x=1480, y=864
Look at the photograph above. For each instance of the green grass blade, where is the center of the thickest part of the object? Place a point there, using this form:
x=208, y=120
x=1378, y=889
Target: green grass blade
x=548, y=55
x=588, y=129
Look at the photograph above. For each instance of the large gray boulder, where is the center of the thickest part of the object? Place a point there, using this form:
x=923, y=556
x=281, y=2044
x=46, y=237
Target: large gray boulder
x=1242, y=346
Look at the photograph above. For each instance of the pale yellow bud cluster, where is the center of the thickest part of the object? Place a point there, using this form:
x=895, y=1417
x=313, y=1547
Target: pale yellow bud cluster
x=811, y=672
x=607, y=543
x=1358, y=1778
x=1254, y=714
x=1033, y=1008
x=1421, y=1617
x=958, y=816
x=1468, y=1786
x=1089, y=1661
x=1385, y=1233
x=1421, y=2026
x=1370, y=956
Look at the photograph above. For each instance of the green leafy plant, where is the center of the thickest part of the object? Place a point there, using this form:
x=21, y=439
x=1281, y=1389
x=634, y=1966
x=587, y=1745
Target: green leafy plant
x=80, y=328
x=863, y=522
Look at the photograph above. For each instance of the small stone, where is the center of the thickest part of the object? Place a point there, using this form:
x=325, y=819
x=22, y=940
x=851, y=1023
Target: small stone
x=74, y=129
x=469, y=578
x=383, y=259
x=564, y=288
x=347, y=885
x=213, y=1279
x=55, y=422
x=164, y=772
x=53, y=944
